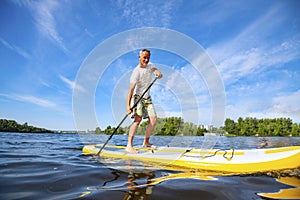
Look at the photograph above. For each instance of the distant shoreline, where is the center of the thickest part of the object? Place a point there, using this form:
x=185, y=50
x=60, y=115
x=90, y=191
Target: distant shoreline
x=179, y=135
x=175, y=126
x=13, y=126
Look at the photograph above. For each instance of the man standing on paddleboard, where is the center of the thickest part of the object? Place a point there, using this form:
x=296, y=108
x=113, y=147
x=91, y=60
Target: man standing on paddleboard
x=139, y=81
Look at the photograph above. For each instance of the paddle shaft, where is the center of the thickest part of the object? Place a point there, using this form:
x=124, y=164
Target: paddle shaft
x=126, y=116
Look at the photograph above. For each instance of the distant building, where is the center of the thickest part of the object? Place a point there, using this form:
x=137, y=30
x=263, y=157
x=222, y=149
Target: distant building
x=207, y=127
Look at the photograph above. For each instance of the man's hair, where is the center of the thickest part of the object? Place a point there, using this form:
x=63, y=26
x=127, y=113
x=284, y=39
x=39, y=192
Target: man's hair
x=141, y=51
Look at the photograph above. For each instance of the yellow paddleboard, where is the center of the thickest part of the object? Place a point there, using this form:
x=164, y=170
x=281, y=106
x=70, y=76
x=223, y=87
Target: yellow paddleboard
x=225, y=161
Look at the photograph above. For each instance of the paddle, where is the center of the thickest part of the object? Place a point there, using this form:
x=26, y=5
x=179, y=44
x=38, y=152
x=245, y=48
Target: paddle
x=126, y=116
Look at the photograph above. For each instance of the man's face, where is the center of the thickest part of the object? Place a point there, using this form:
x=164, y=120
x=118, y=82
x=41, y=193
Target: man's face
x=144, y=58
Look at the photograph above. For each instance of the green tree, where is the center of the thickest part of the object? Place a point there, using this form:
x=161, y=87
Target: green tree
x=13, y=126
x=230, y=126
x=109, y=130
x=295, y=129
x=262, y=127
x=98, y=130
x=201, y=131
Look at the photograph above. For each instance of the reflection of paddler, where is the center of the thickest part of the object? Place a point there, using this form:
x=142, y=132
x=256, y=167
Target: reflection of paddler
x=144, y=190
x=136, y=191
x=290, y=193
x=263, y=143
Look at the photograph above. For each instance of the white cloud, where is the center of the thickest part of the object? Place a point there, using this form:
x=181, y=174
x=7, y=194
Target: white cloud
x=287, y=105
x=283, y=105
x=31, y=99
x=36, y=100
x=253, y=55
x=46, y=23
x=44, y=17
x=71, y=84
x=15, y=48
x=253, y=51
x=141, y=13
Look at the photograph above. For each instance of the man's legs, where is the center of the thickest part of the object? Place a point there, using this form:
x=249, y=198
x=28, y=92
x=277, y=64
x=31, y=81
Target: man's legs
x=132, y=130
x=149, y=130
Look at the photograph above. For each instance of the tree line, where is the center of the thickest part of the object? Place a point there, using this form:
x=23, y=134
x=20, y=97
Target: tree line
x=176, y=126
x=262, y=127
x=13, y=126
x=164, y=126
x=242, y=127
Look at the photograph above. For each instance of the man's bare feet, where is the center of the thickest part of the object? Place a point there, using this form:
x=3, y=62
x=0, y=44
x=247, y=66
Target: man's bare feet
x=131, y=150
x=149, y=145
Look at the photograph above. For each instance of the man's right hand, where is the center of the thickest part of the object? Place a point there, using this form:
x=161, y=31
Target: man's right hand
x=129, y=111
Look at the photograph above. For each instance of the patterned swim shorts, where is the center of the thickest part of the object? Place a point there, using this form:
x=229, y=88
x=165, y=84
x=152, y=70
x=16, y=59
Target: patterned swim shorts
x=144, y=108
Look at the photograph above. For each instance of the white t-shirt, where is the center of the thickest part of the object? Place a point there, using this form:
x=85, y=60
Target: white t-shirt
x=142, y=77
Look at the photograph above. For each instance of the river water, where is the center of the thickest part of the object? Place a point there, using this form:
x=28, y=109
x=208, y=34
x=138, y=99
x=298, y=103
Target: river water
x=52, y=166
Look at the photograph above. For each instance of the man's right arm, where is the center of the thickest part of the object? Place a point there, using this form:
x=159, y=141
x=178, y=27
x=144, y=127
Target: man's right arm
x=129, y=96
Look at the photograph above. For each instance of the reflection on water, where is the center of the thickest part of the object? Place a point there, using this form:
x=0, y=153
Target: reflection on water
x=136, y=190
x=51, y=166
x=141, y=184
x=144, y=185
x=287, y=193
x=265, y=142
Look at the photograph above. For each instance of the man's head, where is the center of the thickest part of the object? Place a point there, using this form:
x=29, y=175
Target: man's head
x=144, y=57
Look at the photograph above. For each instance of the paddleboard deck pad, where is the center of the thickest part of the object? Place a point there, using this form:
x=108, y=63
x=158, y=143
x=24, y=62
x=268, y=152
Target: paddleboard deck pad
x=221, y=160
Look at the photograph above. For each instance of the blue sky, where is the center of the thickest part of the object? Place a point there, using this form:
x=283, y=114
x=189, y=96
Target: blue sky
x=254, y=45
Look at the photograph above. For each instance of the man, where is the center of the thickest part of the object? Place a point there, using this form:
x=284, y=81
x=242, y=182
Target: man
x=139, y=81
